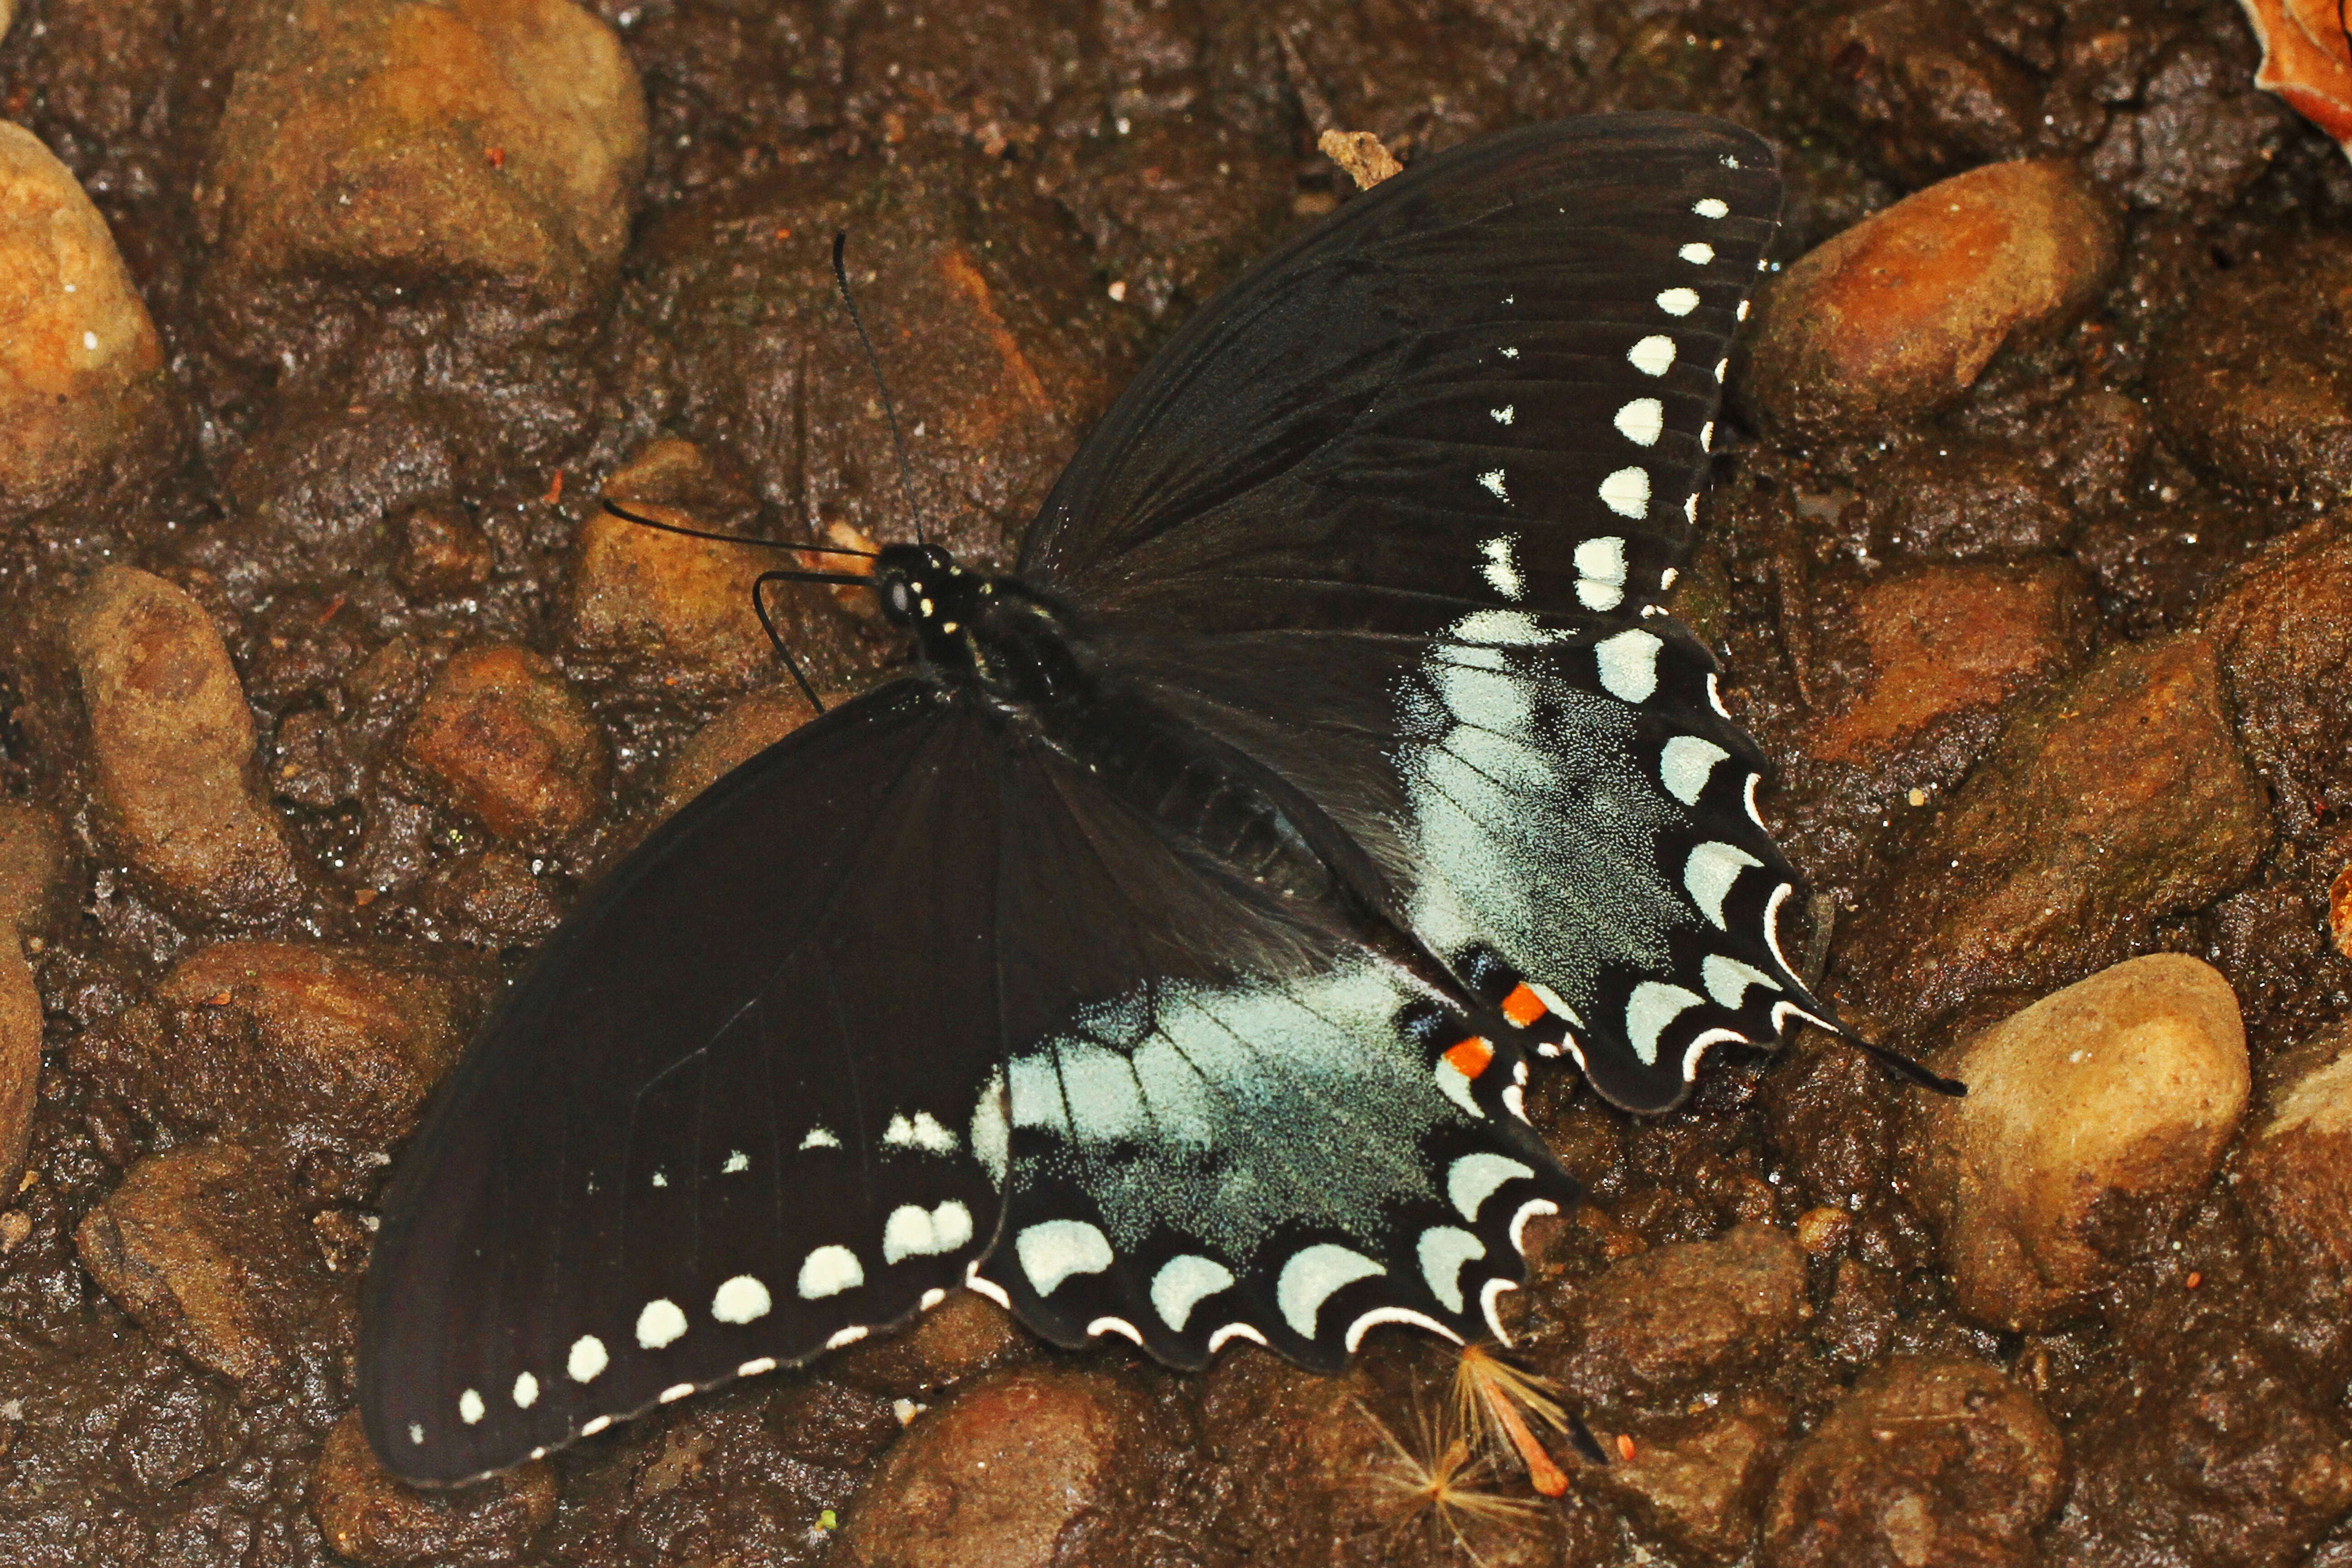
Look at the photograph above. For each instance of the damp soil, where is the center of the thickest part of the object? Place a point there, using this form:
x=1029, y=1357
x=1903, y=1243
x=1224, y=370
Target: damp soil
x=377, y=487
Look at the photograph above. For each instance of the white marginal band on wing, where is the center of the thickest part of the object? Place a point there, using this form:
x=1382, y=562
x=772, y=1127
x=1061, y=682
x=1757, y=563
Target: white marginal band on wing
x=1488, y=1297
x=1379, y=1315
x=1698, y=1049
x=1218, y=1341
x=1527, y=1211
x=1118, y=1326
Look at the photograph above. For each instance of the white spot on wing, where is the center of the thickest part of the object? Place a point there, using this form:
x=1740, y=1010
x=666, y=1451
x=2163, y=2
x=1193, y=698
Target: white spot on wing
x=1601, y=572
x=1678, y=301
x=1743, y=310
x=1501, y=571
x=1052, y=1250
x=1455, y=1085
x=469, y=1406
x=923, y=1131
x=1697, y=253
x=1493, y=480
x=587, y=1359
x=737, y=1163
x=1727, y=980
x=526, y=1391
x=1506, y=413
x=1641, y=420
x=1629, y=665
x=741, y=1300
x=1312, y=1275
x=991, y=1137
x=1443, y=1250
x=1653, y=355
x=1183, y=1283
x=1626, y=492
x=1652, y=1007
x=1708, y=874
x=848, y=1336
x=1710, y=206
x=820, y=1138
x=415, y=1432
x=1686, y=763
x=1690, y=509
x=1471, y=1180
x=660, y=1323
x=828, y=1271
x=911, y=1233
x=1510, y=353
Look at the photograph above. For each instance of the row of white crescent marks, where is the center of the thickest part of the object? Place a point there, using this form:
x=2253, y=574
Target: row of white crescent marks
x=909, y=1231
x=1053, y=1251
x=1600, y=562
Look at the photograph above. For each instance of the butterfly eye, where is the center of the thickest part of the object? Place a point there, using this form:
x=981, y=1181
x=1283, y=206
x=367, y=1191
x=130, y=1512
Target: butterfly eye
x=901, y=602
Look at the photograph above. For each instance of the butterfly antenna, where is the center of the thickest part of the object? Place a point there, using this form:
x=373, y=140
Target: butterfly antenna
x=625, y=515
x=1906, y=1069
x=873, y=363
x=775, y=637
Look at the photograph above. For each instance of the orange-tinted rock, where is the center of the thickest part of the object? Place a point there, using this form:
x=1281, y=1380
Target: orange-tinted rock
x=2108, y=803
x=483, y=143
x=512, y=743
x=350, y=1044
x=202, y=1245
x=173, y=741
x=81, y=370
x=20, y=1060
x=2297, y=1179
x=742, y=729
x=1001, y=1475
x=1945, y=640
x=1925, y=1461
x=1897, y=316
x=373, y=1519
x=1681, y=1317
x=2115, y=1096
x=680, y=607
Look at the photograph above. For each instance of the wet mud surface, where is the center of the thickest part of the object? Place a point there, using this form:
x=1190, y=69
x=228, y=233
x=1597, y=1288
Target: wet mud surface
x=324, y=690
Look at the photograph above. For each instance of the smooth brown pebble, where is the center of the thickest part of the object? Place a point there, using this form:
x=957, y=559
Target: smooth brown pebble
x=1925, y=1462
x=373, y=1519
x=999, y=1478
x=81, y=368
x=2122, y=1089
x=1897, y=316
x=513, y=743
x=174, y=745
x=1681, y=1316
x=204, y=1246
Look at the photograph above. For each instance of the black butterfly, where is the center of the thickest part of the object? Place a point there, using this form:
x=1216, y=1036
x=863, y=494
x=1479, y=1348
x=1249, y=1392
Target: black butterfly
x=1164, y=957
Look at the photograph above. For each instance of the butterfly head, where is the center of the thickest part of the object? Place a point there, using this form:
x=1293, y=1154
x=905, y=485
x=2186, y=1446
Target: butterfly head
x=920, y=585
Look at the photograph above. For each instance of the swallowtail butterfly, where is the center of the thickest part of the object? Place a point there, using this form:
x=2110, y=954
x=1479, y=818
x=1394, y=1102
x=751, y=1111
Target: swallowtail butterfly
x=1166, y=954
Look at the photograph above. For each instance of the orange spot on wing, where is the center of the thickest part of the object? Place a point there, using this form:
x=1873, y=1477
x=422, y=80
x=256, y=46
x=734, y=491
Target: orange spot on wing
x=1472, y=1057
x=1523, y=1006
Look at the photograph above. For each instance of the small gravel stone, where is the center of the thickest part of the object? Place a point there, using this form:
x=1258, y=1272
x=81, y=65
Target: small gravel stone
x=1014, y=1473
x=961, y=1338
x=373, y=1519
x=1681, y=1317
x=2285, y=627
x=1897, y=316
x=20, y=1062
x=204, y=1248
x=349, y=1043
x=1698, y=1482
x=744, y=729
x=175, y=746
x=367, y=142
x=1926, y=1461
x=680, y=608
x=81, y=369
x=2112, y=801
x=443, y=553
x=2113, y=1097
x=2297, y=1178
x=1949, y=642
x=512, y=743
x=2252, y=386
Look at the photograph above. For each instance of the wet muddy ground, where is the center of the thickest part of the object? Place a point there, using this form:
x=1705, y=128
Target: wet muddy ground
x=323, y=690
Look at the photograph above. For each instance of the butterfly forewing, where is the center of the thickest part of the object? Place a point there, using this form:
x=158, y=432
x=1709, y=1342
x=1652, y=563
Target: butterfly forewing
x=726, y=1118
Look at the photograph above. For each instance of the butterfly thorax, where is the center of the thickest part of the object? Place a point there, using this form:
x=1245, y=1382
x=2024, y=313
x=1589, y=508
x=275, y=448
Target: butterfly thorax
x=1027, y=657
